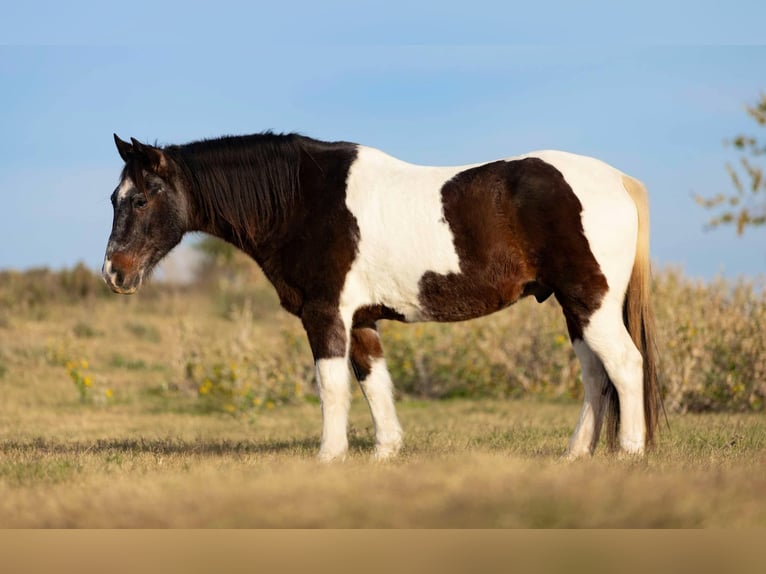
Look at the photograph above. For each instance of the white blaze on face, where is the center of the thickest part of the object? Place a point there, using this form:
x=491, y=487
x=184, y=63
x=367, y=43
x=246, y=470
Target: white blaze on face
x=107, y=271
x=403, y=232
x=125, y=186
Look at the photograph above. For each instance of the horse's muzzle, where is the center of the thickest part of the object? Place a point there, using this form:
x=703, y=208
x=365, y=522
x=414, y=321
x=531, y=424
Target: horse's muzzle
x=118, y=281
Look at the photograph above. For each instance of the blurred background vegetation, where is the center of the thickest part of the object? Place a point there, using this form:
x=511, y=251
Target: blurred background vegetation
x=220, y=343
x=745, y=206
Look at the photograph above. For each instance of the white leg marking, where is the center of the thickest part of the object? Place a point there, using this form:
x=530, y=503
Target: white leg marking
x=333, y=379
x=607, y=337
x=379, y=392
x=588, y=428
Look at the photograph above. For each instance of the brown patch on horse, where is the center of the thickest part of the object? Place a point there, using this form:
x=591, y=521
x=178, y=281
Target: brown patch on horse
x=325, y=331
x=282, y=200
x=365, y=340
x=310, y=254
x=367, y=316
x=365, y=347
x=517, y=231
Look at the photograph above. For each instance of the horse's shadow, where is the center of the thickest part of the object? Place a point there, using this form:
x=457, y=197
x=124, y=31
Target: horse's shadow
x=305, y=447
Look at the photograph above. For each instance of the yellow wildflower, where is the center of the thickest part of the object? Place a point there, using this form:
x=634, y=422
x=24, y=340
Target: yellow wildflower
x=109, y=393
x=87, y=381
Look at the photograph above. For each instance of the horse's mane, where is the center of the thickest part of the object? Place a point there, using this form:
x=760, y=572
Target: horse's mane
x=250, y=182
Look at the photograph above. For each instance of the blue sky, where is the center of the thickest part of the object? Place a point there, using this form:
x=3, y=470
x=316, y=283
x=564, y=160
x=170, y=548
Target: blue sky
x=660, y=113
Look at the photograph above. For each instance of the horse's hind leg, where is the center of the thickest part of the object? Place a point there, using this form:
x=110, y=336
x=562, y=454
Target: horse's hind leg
x=586, y=434
x=609, y=339
x=370, y=369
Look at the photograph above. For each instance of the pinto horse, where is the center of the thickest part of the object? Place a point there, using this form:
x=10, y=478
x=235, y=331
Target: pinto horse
x=349, y=235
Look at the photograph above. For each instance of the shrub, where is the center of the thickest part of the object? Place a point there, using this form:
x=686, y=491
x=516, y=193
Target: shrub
x=712, y=343
x=710, y=337
x=235, y=375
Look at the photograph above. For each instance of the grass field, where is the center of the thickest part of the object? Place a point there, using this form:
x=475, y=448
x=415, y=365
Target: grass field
x=466, y=464
x=171, y=411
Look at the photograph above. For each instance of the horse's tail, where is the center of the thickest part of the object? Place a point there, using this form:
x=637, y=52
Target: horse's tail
x=639, y=320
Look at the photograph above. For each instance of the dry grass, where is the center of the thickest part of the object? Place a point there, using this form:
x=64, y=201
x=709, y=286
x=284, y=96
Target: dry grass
x=467, y=464
x=149, y=447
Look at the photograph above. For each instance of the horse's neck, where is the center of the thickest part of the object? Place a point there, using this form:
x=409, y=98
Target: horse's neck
x=236, y=209
x=318, y=197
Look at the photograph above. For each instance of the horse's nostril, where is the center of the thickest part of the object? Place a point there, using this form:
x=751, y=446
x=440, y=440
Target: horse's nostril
x=119, y=276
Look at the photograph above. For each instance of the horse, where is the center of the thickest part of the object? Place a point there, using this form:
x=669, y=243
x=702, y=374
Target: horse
x=349, y=235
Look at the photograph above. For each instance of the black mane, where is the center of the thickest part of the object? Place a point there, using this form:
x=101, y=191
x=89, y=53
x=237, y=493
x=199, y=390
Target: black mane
x=248, y=183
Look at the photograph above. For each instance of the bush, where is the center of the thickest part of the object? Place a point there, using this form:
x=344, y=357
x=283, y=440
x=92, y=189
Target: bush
x=37, y=288
x=712, y=343
x=710, y=337
x=235, y=375
x=509, y=354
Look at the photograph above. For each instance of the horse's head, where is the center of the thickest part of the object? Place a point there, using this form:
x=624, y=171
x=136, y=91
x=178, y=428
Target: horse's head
x=150, y=215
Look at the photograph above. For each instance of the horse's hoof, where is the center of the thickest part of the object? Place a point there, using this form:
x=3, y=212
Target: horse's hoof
x=571, y=456
x=328, y=457
x=386, y=452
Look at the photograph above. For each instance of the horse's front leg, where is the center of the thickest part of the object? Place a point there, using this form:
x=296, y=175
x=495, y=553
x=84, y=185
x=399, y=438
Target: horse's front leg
x=371, y=372
x=329, y=340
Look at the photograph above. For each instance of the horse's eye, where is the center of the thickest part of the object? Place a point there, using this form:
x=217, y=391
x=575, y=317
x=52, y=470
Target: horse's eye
x=139, y=202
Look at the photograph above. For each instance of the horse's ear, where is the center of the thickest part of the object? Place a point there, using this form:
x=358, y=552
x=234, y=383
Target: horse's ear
x=124, y=148
x=153, y=158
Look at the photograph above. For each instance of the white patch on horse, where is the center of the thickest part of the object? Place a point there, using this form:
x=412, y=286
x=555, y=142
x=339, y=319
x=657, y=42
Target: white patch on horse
x=125, y=186
x=591, y=417
x=106, y=269
x=378, y=390
x=333, y=380
x=403, y=232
